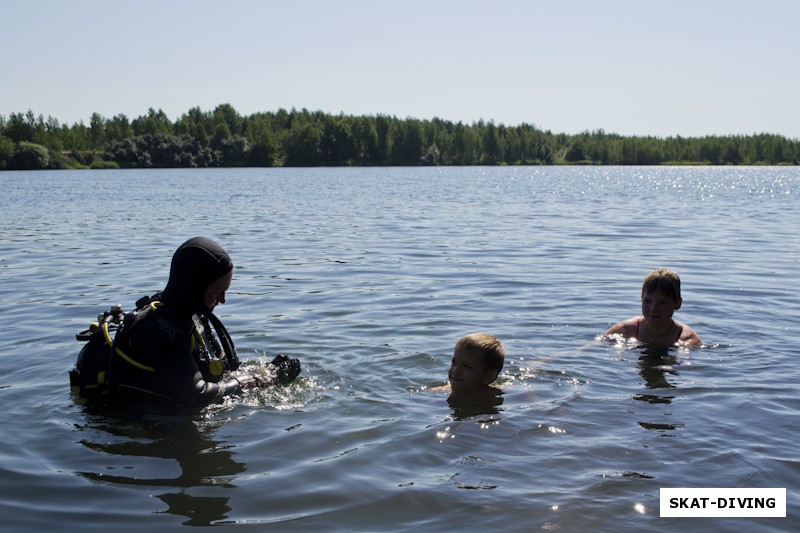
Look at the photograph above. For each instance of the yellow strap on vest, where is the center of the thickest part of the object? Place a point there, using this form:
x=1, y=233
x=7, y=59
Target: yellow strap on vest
x=153, y=306
x=122, y=354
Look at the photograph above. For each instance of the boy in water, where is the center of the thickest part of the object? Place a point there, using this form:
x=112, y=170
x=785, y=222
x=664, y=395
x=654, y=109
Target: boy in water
x=477, y=361
x=661, y=297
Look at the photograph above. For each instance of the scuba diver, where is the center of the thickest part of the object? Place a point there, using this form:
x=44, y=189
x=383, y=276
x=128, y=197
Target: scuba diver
x=173, y=351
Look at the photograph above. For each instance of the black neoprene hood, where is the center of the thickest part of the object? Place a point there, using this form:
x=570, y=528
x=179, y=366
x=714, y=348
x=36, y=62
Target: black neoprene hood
x=196, y=264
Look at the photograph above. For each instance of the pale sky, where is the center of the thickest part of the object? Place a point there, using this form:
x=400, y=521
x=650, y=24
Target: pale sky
x=633, y=67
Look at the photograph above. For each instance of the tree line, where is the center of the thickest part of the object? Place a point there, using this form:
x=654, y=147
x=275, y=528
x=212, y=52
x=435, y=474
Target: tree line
x=224, y=138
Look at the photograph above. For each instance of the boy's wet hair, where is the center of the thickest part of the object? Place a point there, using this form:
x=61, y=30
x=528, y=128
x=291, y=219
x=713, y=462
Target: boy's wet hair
x=489, y=346
x=665, y=281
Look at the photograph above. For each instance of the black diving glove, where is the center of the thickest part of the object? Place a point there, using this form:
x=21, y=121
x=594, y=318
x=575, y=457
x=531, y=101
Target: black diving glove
x=286, y=369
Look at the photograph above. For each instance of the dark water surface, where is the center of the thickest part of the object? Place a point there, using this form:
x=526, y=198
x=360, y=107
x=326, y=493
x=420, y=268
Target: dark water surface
x=369, y=276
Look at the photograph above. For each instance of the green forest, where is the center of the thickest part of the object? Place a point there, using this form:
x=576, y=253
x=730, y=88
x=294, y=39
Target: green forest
x=224, y=138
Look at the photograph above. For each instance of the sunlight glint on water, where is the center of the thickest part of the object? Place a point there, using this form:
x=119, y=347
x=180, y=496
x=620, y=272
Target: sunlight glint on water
x=369, y=276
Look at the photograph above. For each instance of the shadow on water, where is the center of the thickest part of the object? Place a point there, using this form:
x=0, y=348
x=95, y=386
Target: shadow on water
x=657, y=368
x=468, y=406
x=142, y=445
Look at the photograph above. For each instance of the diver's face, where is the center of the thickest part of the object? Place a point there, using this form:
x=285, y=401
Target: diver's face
x=215, y=293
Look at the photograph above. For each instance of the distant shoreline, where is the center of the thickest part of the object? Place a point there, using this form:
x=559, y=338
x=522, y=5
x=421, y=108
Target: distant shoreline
x=106, y=166
x=223, y=138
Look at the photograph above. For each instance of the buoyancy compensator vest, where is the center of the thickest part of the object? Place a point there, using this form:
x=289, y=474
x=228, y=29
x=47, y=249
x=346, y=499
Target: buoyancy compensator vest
x=88, y=378
x=211, y=345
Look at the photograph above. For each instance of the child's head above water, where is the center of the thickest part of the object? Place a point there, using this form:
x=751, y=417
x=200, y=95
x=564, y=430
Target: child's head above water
x=477, y=361
x=663, y=281
x=661, y=297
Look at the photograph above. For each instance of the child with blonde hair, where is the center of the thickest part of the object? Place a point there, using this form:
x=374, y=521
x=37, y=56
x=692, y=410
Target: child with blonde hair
x=477, y=360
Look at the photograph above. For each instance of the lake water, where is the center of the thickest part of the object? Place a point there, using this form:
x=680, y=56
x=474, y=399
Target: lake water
x=369, y=276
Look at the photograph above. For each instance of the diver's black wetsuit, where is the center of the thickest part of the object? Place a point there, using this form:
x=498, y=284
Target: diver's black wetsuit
x=161, y=367
x=162, y=340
